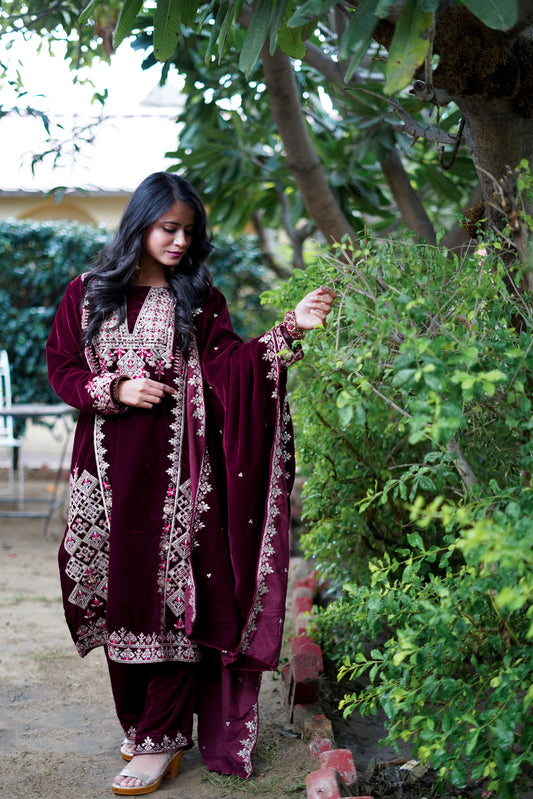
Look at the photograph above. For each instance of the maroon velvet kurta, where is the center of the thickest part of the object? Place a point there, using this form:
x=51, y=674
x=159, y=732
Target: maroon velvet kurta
x=177, y=536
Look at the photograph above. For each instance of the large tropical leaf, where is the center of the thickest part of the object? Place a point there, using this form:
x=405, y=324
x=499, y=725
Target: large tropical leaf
x=358, y=34
x=277, y=21
x=126, y=20
x=88, y=10
x=497, y=14
x=167, y=24
x=256, y=35
x=290, y=41
x=408, y=48
x=310, y=11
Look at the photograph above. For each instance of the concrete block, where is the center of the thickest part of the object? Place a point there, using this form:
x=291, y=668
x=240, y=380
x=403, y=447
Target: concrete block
x=342, y=761
x=304, y=666
x=303, y=680
x=319, y=745
x=302, y=713
x=309, y=582
x=317, y=727
x=301, y=568
x=302, y=590
x=305, y=644
x=302, y=622
x=324, y=784
x=302, y=604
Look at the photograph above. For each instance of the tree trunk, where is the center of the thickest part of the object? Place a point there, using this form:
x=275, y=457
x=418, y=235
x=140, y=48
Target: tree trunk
x=407, y=199
x=499, y=139
x=302, y=159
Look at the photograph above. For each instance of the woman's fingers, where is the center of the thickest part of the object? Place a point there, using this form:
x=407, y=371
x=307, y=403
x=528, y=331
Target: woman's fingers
x=142, y=392
x=314, y=308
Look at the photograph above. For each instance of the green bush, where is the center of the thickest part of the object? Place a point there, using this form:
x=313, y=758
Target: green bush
x=38, y=259
x=413, y=416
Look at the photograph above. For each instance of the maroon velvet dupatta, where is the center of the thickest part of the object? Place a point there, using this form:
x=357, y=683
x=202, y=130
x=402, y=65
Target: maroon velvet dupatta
x=176, y=545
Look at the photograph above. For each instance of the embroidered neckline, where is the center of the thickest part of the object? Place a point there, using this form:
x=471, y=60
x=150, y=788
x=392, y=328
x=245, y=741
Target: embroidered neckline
x=142, y=311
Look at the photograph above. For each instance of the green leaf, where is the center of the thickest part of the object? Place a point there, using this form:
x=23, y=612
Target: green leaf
x=188, y=11
x=167, y=24
x=382, y=8
x=88, y=10
x=276, y=23
x=223, y=12
x=256, y=36
x=426, y=483
x=227, y=26
x=310, y=11
x=403, y=376
x=126, y=20
x=494, y=376
x=494, y=13
x=427, y=6
x=345, y=415
x=415, y=540
x=290, y=41
x=408, y=47
x=358, y=34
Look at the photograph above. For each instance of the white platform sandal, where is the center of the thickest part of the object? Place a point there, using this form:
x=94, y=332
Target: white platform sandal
x=127, y=748
x=150, y=784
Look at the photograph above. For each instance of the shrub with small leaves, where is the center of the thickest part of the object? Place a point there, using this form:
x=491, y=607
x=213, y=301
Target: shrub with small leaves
x=413, y=418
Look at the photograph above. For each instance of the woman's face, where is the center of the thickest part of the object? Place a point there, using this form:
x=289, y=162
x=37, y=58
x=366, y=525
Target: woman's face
x=167, y=240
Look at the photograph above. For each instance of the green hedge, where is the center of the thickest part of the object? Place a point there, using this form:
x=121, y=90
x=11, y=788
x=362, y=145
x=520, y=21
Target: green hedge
x=38, y=259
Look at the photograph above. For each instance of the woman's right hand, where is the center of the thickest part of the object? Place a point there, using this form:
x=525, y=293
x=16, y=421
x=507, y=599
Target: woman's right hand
x=141, y=392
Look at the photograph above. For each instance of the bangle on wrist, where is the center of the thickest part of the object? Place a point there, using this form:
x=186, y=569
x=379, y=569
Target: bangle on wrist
x=114, y=391
x=294, y=332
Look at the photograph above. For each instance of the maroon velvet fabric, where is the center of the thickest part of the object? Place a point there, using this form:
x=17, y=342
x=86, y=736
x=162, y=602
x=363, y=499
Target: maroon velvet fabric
x=155, y=703
x=176, y=546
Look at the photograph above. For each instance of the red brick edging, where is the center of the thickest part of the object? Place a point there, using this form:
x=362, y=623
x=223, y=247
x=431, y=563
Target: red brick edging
x=336, y=776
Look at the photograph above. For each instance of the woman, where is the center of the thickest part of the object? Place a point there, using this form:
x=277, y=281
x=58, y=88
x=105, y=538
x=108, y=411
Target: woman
x=175, y=553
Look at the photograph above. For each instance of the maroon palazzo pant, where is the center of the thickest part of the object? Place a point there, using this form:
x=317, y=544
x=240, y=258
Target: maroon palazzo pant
x=155, y=703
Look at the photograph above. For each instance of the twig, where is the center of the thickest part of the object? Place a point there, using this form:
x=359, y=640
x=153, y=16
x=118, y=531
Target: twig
x=455, y=150
x=463, y=467
x=410, y=126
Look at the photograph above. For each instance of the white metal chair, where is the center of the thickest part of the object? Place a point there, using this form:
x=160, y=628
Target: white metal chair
x=7, y=438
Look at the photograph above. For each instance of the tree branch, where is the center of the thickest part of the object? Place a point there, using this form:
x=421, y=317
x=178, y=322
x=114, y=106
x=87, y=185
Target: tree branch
x=457, y=237
x=267, y=249
x=296, y=235
x=410, y=126
x=406, y=198
x=302, y=158
x=463, y=467
x=331, y=70
x=408, y=202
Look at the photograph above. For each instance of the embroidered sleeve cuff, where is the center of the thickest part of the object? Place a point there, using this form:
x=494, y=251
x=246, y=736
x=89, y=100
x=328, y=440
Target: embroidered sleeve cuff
x=289, y=350
x=100, y=388
x=292, y=331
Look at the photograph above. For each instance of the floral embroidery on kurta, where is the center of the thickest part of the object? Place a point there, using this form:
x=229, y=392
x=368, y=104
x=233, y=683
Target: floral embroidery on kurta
x=163, y=552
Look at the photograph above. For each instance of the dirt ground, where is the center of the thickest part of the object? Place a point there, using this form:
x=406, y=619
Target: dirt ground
x=59, y=738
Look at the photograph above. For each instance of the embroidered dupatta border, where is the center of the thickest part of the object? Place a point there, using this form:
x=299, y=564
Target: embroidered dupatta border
x=278, y=356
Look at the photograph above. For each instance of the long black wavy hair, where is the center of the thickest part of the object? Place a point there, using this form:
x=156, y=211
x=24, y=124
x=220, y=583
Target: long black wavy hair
x=115, y=271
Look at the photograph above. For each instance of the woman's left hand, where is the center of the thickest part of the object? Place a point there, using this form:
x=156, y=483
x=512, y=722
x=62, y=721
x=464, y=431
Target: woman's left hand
x=312, y=311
